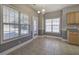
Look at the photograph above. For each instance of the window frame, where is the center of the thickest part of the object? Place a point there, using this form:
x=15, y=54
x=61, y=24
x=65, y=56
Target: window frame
x=52, y=25
x=24, y=24
x=56, y=25
x=2, y=41
x=35, y=26
x=9, y=21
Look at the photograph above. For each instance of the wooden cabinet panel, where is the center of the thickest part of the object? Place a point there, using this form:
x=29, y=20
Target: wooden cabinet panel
x=74, y=38
x=77, y=17
x=70, y=18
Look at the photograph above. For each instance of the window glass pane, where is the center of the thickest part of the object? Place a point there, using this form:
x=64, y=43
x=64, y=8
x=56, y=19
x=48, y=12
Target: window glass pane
x=56, y=21
x=6, y=32
x=48, y=21
x=24, y=24
x=21, y=18
x=48, y=25
x=56, y=29
x=16, y=30
x=52, y=25
x=24, y=19
x=5, y=15
x=11, y=16
x=48, y=28
x=12, y=31
x=16, y=17
x=56, y=25
x=35, y=26
x=24, y=29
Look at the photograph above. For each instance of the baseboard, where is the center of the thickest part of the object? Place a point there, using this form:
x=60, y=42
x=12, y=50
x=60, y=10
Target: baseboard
x=16, y=47
x=55, y=37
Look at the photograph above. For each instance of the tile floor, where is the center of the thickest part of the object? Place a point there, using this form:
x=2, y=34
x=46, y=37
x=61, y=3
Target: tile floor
x=47, y=46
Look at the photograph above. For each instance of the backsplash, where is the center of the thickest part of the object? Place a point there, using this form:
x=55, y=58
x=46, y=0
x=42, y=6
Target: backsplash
x=74, y=27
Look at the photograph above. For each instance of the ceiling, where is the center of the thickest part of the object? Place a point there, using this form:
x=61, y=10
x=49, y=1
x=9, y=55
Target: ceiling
x=49, y=7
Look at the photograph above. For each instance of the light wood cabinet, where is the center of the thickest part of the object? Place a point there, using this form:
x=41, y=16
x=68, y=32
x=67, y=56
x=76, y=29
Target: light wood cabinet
x=73, y=18
x=73, y=37
x=70, y=18
x=77, y=17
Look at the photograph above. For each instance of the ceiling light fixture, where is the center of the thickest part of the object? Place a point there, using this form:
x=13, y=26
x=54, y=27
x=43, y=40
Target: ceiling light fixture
x=38, y=12
x=43, y=10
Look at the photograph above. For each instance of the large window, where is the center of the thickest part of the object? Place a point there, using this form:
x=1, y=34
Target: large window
x=56, y=25
x=14, y=25
x=35, y=25
x=52, y=25
x=48, y=25
x=24, y=22
x=10, y=23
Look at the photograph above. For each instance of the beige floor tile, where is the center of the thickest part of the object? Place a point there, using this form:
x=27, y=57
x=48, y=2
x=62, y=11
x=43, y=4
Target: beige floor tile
x=47, y=46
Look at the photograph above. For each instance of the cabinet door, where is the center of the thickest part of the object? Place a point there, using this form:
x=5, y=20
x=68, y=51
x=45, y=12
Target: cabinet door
x=71, y=18
x=77, y=17
x=74, y=38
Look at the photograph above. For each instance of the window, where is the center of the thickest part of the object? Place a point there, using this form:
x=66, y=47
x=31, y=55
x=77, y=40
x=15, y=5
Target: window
x=52, y=25
x=24, y=22
x=12, y=25
x=56, y=25
x=6, y=31
x=35, y=24
x=48, y=25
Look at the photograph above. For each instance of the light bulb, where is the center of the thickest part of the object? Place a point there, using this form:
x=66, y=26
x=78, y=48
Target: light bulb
x=38, y=12
x=43, y=10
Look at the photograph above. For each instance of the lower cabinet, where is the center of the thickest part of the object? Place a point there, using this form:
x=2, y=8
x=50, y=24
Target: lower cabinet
x=73, y=37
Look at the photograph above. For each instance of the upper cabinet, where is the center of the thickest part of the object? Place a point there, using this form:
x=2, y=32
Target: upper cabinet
x=77, y=17
x=73, y=18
